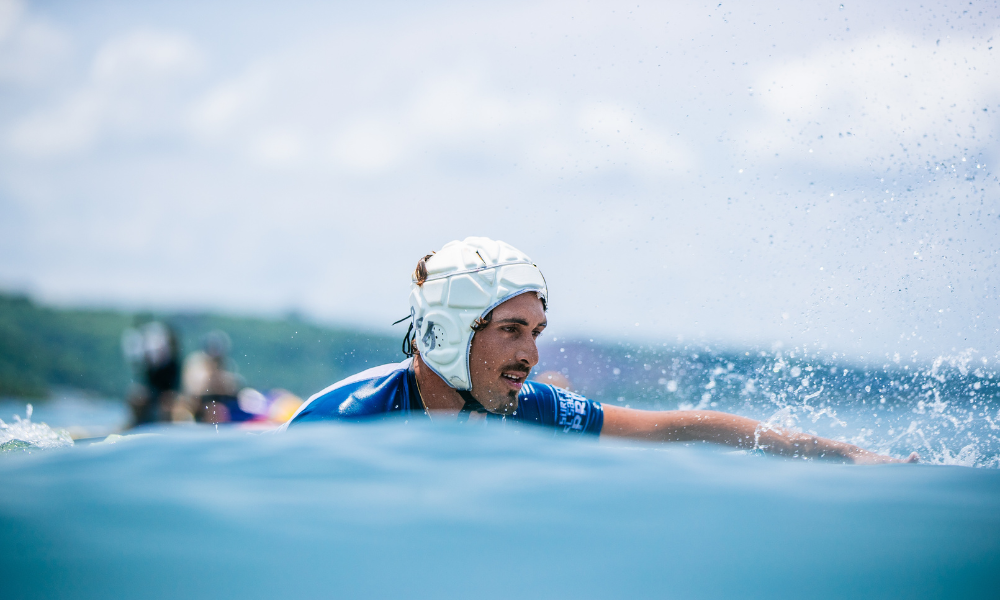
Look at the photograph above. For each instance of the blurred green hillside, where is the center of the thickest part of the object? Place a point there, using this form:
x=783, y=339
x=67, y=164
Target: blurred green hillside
x=42, y=347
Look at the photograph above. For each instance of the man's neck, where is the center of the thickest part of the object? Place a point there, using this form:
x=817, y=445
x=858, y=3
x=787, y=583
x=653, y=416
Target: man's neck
x=437, y=396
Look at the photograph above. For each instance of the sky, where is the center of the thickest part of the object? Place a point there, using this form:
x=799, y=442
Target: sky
x=749, y=174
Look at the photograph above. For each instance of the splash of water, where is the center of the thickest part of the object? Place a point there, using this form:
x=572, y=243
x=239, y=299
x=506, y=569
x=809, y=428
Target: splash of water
x=946, y=408
x=24, y=436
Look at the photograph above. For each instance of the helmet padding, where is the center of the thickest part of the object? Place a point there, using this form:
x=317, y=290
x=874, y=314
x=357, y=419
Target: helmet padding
x=465, y=281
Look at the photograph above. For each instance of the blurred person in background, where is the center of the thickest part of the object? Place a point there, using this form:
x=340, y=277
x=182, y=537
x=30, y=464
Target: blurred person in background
x=152, y=349
x=214, y=393
x=212, y=389
x=555, y=378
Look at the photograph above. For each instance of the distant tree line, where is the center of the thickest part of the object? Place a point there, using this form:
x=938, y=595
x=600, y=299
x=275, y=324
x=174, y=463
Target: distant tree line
x=43, y=347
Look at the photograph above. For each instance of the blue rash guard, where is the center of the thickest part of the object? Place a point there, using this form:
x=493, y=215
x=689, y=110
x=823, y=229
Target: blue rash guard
x=390, y=389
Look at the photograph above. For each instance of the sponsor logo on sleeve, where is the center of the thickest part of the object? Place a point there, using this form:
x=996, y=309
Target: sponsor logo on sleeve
x=572, y=410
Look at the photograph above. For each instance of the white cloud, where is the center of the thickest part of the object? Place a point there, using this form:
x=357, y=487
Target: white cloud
x=464, y=105
x=70, y=127
x=233, y=103
x=130, y=91
x=550, y=135
x=605, y=137
x=446, y=114
x=145, y=56
x=277, y=148
x=892, y=94
x=29, y=47
x=368, y=145
x=10, y=14
x=405, y=124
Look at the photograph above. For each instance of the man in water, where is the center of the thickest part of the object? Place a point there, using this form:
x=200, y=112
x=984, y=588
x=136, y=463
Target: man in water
x=477, y=308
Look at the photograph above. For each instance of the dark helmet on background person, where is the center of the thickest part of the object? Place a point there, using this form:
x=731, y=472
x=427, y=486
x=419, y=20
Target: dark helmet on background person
x=217, y=344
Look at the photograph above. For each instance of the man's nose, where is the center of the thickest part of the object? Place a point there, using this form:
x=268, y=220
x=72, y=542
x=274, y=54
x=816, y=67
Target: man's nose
x=528, y=352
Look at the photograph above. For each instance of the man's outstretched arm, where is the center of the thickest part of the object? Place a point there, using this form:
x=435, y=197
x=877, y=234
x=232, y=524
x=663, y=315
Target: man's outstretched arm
x=730, y=430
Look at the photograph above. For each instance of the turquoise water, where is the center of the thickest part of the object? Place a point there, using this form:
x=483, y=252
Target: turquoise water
x=428, y=510
x=79, y=414
x=419, y=510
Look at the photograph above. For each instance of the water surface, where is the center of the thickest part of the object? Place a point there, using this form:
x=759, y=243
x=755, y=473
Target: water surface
x=423, y=510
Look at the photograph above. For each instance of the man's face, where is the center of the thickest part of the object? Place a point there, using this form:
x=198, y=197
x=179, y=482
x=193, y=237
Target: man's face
x=503, y=353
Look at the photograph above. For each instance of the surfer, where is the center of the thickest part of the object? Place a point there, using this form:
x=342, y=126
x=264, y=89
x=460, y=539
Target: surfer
x=476, y=309
x=212, y=387
x=153, y=350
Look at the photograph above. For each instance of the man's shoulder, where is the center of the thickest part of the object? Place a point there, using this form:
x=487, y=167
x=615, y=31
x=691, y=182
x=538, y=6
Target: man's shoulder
x=380, y=372
x=546, y=404
x=371, y=392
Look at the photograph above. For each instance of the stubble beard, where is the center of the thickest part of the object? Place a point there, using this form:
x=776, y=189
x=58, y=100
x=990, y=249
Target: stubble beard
x=507, y=399
x=507, y=405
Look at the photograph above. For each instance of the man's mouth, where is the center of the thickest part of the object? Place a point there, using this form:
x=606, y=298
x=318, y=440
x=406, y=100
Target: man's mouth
x=515, y=379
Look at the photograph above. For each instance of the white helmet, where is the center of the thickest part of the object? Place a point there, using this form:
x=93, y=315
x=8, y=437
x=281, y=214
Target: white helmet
x=465, y=280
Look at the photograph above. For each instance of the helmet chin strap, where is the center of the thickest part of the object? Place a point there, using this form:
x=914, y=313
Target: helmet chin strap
x=471, y=405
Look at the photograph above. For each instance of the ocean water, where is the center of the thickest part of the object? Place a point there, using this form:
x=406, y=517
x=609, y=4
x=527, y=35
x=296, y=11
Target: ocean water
x=945, y=407
x=428, y=510
x=424, y=510
x=79, y=414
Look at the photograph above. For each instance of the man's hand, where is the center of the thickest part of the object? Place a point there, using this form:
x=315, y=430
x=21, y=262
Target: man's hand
x=732, y=430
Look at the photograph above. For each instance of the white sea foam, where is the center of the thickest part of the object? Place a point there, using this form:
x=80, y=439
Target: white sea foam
x=22, y=434
x=946, y=408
